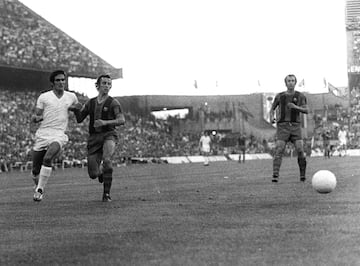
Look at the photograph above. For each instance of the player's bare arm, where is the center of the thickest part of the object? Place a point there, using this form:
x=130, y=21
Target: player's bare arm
x=75, y=107
x=302, y=109
x=118, y=121
x=272, y=110
x=38, y=116
x=272, y=118
x=80, y=113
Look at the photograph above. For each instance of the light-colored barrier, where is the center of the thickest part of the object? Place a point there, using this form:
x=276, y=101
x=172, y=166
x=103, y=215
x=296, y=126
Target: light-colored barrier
x=196, y=159
x=192, y=159
x=217, y=158
x=254, y=156
x=176, y=159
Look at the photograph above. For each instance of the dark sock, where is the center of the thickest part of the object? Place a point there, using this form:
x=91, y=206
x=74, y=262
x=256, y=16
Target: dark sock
x=302, y=166
x=107, y=177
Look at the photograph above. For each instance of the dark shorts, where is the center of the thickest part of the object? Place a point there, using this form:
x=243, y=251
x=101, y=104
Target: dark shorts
x=96, y=141
x=287, y=131
x=326, y=143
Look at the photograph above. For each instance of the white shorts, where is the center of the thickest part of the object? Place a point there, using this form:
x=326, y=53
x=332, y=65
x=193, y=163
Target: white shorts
x=44, y=138
x=205, y=149
x=342, y=142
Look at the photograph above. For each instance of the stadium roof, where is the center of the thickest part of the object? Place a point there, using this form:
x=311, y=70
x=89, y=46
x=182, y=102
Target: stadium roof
x=28, y=41
x=352, y=14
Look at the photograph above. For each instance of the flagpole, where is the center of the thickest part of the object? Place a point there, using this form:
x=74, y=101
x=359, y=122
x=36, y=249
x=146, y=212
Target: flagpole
x=304, y=116
x=349, y=108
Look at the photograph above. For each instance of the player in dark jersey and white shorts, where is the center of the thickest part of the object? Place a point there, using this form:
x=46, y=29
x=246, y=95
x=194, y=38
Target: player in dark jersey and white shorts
x=289, y=104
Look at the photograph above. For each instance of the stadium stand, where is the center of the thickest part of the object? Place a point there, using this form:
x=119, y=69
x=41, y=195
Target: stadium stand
x=29, y=41
x=141, y=139
x=30, y=49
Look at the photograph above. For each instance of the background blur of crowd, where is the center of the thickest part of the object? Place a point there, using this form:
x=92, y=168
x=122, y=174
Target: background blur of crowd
x=27, y=40
x=148, y=139
x=140, y=138
x=333, y=119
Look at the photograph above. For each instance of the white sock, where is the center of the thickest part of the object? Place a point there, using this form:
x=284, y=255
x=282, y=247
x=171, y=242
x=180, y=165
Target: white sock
x=206, y=160
x=45, y=173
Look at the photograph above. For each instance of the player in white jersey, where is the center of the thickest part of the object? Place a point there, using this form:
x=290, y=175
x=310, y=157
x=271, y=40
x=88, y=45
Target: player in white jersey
x=342, y=136
x=52, y=112
x=205, y=147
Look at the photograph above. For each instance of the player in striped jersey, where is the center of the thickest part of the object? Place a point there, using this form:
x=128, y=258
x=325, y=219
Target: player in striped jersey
x=289, y=104
x=105, y=115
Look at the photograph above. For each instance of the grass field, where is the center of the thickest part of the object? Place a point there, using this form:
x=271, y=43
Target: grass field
x=184, y=214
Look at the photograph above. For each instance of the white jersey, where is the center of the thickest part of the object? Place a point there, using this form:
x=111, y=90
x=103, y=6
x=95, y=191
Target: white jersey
x=56, y=114
x=342, y=137
x=205, y=143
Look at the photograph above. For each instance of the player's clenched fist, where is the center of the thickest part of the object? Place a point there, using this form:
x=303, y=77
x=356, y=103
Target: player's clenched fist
x=37, y=118
x=75, y=107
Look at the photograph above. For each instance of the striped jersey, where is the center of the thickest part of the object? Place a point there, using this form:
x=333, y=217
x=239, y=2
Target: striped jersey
x=284, y=113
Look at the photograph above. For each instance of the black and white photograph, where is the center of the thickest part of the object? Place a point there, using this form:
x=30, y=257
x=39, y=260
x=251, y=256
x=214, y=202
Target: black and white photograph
x=179, y=132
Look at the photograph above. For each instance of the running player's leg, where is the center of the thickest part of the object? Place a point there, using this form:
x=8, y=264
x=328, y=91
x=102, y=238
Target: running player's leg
x=283, y=133
x=206, y=158
x=95, y=146
x=37, y=159
x=279, y=150
x=299, y=144
x=108, y=151
x=94, y=161
x=46, y=169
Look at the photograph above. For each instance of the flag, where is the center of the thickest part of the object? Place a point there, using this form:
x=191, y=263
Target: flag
x=302, y=83
x=338, y=92
x=195, y=84
x=259, y=84
x=325, y=83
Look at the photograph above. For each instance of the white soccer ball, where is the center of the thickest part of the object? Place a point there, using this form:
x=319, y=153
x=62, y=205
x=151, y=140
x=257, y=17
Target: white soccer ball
x=323, y=181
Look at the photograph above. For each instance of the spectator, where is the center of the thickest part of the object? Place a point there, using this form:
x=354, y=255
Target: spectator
x=242, y=147
x=326, y=136
x=342, y=136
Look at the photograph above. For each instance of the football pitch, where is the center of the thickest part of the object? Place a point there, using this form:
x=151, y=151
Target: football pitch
x=188, y=214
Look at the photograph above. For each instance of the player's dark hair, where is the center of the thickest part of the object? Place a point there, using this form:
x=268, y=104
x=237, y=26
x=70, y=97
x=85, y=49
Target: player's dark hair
x=100, y=77
x=290, y=76
x=55, y=73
